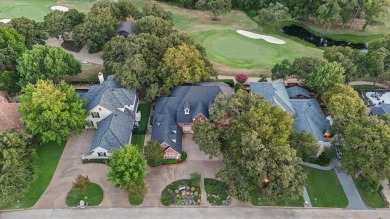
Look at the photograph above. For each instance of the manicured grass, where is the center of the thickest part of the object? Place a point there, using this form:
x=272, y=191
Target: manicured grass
x=93, y=196
x=89, y=72
x=232, y=49
x=373, y=200
x=325, y=189
x=257, y=199
x=37, y=9
x=138, y=140
x=136, y=198
x=144, y=107
x=48, y=156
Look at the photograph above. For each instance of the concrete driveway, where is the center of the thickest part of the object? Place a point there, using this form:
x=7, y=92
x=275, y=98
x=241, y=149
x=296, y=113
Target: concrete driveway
x=159, y=177
x=70, y=166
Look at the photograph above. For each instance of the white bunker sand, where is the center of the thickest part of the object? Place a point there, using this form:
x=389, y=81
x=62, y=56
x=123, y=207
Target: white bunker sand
x=5, y=20
x=59, y=8
x=269, y=39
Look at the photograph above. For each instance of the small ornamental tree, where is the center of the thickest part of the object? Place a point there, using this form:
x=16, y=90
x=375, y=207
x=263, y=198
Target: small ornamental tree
x=241, y=78
x=81, y=183
x=127, y=168
x=154, y=153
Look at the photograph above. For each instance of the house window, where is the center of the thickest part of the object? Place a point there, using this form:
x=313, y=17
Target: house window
x=95, y=114
x=186, y=111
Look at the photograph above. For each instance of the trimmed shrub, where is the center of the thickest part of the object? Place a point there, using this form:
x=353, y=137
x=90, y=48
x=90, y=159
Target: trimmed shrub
x=229, y=82
x=104, y=161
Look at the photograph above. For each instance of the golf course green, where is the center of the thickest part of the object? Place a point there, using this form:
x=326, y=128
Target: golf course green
x=238, y=51
x=37, y=9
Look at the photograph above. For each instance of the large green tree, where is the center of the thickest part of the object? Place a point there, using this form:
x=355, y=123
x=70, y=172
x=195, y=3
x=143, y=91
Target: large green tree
x=281, y=70
x=47, y=63
x=306, y=145
x=120, y=10
x=183, y=64
x=374, y=10
x=157, y=11
x=216, y=6
x=303, y=66
x=154, y=153
x=253, y=136
x=16, y=165
x=12, y=46
x=346, y=56
x=51, y=112
x=273, y=14
x=33, y=32
x=325, y=77
x=126, y=168
x=344, y=105
x=57, y=24
x=366, y=147
x=153, y=25
x=328, y=12
x=206, y=136
x=98, y=28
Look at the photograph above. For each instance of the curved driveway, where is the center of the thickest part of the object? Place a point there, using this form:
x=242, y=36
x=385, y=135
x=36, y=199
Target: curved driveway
x=70, y=166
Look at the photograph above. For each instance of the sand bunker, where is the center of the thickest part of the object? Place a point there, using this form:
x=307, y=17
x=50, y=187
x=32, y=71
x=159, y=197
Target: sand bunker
x=59, y=8
x=269, y=39
x=5, y=20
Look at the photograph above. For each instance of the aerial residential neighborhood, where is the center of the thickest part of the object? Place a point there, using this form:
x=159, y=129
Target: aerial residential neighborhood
x=194, y=109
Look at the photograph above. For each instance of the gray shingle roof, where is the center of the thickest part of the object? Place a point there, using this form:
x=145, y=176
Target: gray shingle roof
x=169, y=111
x=296, y=91
x=381, y=109
x=309, y=117
x=125, y=28
x=274, y=92
x=116, y=129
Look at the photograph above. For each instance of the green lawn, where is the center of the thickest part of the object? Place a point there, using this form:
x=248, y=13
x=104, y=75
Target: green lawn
x=373, y=200
x=325, y=189
x=138, y=140
x=257, y=199
x=93, y=196
x=48, y=156
x=37, y=9
x=234, y=50
x=89, y=72
x=144, y=107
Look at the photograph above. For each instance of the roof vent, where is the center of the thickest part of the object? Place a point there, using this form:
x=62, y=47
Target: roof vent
x=115, y=114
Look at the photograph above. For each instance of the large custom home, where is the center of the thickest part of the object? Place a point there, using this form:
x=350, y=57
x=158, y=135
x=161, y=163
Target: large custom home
x=9, y=116
x=296, y=100
x=113, y=113
x=175, y=115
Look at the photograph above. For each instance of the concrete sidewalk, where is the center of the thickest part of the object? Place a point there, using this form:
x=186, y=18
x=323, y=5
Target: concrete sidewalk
x=197, y=213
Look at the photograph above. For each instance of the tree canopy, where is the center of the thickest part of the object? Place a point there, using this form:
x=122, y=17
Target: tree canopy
x=47, y=63
x=273, y=14
x=16, y=165
x=325, y=77
x=12, y=46
x=281, y=70
x=253, y=136
x=97, y=29
x=153, y=26
x=216, y=6
x=306, y=145
x=183, y=64
x=51, y=112
x=157, y=11
x=154, y=153
x=347, y=57
x=367, y=139
x=126, y=168
x=33, y=32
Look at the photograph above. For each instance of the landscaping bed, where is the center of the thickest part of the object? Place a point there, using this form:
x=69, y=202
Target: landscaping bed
x=136, y=198
x=324, y=189
x=181, y=192
x=372, y=199
x=257, y=199
x=93, y=196
x=217, y=192
x=174, y=161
